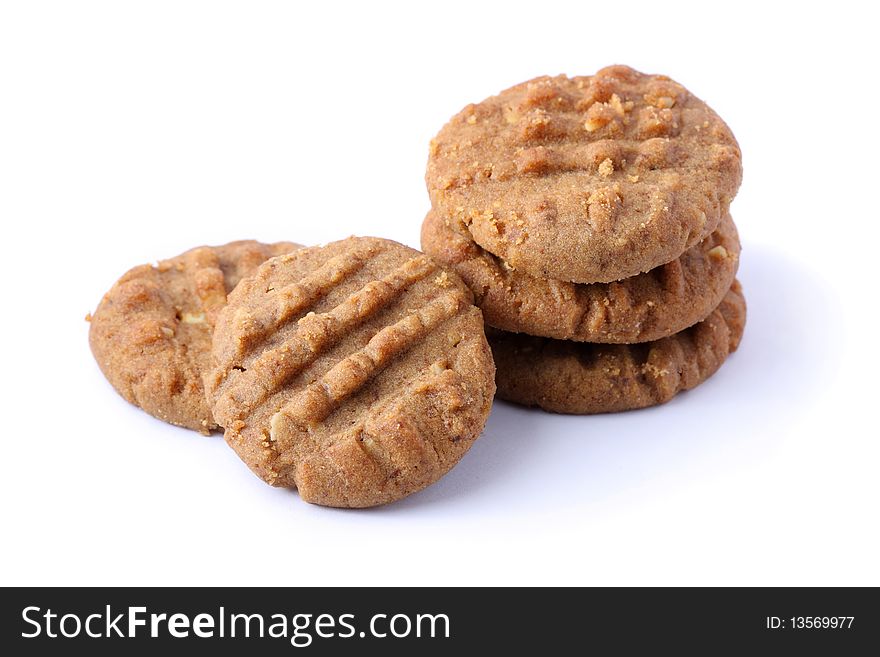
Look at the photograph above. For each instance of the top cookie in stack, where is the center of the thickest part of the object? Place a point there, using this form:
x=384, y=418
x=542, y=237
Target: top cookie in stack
x=591, y=209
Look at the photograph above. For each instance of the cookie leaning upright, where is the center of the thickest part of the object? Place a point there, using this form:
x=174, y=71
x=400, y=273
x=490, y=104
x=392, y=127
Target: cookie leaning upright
x=151, y=333
x=586, y=179
x=357, y=372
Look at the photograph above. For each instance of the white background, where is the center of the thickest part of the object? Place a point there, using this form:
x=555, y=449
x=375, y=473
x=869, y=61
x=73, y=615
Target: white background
x=133, y=131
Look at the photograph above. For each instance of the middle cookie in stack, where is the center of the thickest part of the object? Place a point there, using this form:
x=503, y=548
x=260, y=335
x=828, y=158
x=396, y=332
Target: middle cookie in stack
x=590, y=216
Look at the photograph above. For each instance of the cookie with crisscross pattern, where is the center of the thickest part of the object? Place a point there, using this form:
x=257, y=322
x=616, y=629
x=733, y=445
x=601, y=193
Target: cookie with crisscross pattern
x=357, y=372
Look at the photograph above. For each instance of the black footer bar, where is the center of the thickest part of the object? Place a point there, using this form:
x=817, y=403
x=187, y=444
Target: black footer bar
x=439, y=621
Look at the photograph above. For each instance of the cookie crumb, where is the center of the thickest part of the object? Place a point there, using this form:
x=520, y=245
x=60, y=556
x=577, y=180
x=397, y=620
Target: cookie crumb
x=657, y=372
x=660, y=102
x=718, y=253
x=193, y=318
x=591, y=125
x=606, y=168
x=618, y=106
x=442, y=280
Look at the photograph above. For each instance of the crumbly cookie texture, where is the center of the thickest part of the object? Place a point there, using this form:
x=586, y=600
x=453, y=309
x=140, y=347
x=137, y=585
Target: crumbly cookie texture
x=586, y=179
x=582, y=378
x=642, y=308
x=357, y=372
x=151, y=333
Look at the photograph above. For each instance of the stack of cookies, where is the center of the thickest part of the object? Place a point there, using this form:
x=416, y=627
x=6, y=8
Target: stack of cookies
x=590, y=217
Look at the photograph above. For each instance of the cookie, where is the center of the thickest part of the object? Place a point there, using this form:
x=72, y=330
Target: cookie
x=586, y=179
x=151, y=333
x=357, y=372
x=642, y=308
x=582, y=378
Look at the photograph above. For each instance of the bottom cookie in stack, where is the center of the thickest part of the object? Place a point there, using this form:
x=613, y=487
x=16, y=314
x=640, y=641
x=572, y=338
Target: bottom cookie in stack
x=582, y=377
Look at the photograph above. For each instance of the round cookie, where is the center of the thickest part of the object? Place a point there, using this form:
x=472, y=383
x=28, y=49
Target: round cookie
x=586, y=179
x=357, y=372
x=583, y=378
x=642, y=308
x=151, y=333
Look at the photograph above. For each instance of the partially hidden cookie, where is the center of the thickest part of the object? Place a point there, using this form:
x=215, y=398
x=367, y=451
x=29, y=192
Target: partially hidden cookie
x=357, y=372
x=586, y=179
x=646, y=307
x=151, y=333
x=582, y=378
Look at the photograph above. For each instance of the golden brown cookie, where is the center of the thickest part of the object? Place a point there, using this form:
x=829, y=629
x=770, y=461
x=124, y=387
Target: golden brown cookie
x=357, y=372
x=582, y=378
x=151, y=333
x=586, y=179
x=642, y=308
